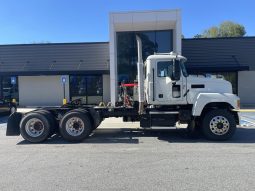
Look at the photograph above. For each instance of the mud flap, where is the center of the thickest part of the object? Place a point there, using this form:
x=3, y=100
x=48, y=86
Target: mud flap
x=13, y=124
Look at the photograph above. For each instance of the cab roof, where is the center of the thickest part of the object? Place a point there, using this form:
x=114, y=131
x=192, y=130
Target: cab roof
x=167, y=56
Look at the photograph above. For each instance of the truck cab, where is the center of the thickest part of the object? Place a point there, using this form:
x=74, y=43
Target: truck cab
x=166, y=82
x=165, y=79
x=174, y=96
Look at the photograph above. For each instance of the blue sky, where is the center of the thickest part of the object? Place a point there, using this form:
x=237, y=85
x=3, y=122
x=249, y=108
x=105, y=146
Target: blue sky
x=29, y=21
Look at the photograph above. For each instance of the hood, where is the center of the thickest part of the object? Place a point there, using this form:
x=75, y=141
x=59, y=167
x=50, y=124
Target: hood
x=213, y=85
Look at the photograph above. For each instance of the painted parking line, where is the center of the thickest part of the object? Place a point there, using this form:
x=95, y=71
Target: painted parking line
x=251, y=118
x=245, y=123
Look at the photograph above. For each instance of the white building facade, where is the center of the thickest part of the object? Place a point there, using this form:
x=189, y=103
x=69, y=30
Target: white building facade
x=137, y=22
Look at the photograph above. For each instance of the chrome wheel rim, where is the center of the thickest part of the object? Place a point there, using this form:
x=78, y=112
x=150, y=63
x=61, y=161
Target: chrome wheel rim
x=75, y=126
x=219, y=125
x=34, y=127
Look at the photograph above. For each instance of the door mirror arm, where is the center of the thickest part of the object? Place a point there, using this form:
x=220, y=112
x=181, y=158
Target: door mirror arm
x=176, y=74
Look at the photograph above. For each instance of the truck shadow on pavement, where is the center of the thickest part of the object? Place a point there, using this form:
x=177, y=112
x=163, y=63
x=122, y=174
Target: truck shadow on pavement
x=3, y=118
x=137, y=136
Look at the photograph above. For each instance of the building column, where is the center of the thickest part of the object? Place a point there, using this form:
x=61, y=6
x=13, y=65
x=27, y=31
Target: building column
x=113, y=62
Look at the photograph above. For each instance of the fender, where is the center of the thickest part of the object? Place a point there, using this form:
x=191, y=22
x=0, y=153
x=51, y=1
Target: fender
x=202, y=99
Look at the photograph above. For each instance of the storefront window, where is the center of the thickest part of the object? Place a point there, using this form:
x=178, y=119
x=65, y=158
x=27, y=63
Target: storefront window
x=9, y=88
x=153, y=41
x=164, y=41
x=87, y=88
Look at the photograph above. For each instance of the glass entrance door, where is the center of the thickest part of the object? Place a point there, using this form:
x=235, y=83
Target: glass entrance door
x=88, y=88
x=9, y=89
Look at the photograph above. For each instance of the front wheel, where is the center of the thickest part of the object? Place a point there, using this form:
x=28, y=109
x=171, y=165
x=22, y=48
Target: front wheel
x=218, y=125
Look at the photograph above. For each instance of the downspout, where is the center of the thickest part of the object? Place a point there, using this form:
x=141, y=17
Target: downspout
x=140, y=75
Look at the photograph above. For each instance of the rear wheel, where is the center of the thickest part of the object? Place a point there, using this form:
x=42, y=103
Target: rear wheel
x=218, y=125
x=85, y=112
x=51, y=119
x=35, y=127
x=75, y=126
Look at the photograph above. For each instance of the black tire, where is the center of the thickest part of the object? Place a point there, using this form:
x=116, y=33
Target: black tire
x=215, y=123
x=193, y=129
x=83, y=121
x=43, y=121
x=93, y=126
x=80, y=110
x=96, y=126
x=52, y=121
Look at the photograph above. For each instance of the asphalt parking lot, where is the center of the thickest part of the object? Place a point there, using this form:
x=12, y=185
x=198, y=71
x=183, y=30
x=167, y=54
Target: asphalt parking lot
x=119, y=156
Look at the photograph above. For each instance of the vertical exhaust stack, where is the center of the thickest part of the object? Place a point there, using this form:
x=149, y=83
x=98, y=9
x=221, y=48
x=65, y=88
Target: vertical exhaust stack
x=140, y=75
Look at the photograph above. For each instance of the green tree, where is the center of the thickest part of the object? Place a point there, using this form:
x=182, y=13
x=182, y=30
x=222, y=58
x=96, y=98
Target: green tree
x=211, y=32
x=231, y=29
x=198, y=36
x=225, y=29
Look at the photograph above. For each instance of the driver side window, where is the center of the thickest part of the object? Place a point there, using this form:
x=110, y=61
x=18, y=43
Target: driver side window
x=165, y=69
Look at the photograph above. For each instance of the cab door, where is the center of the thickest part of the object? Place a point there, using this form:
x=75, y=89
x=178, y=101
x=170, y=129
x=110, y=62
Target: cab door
x=168, y=91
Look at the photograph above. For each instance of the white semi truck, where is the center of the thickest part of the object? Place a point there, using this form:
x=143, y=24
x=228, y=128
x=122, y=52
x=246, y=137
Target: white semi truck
x=166, y=95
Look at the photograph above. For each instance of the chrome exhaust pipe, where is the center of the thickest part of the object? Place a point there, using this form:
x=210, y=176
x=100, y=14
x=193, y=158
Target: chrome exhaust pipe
x=140, y=74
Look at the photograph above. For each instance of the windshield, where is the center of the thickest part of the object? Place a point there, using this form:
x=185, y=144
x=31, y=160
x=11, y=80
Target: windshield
x=183, y=68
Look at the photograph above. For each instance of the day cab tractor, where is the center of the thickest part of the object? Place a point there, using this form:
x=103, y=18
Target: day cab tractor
x=164, y=95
